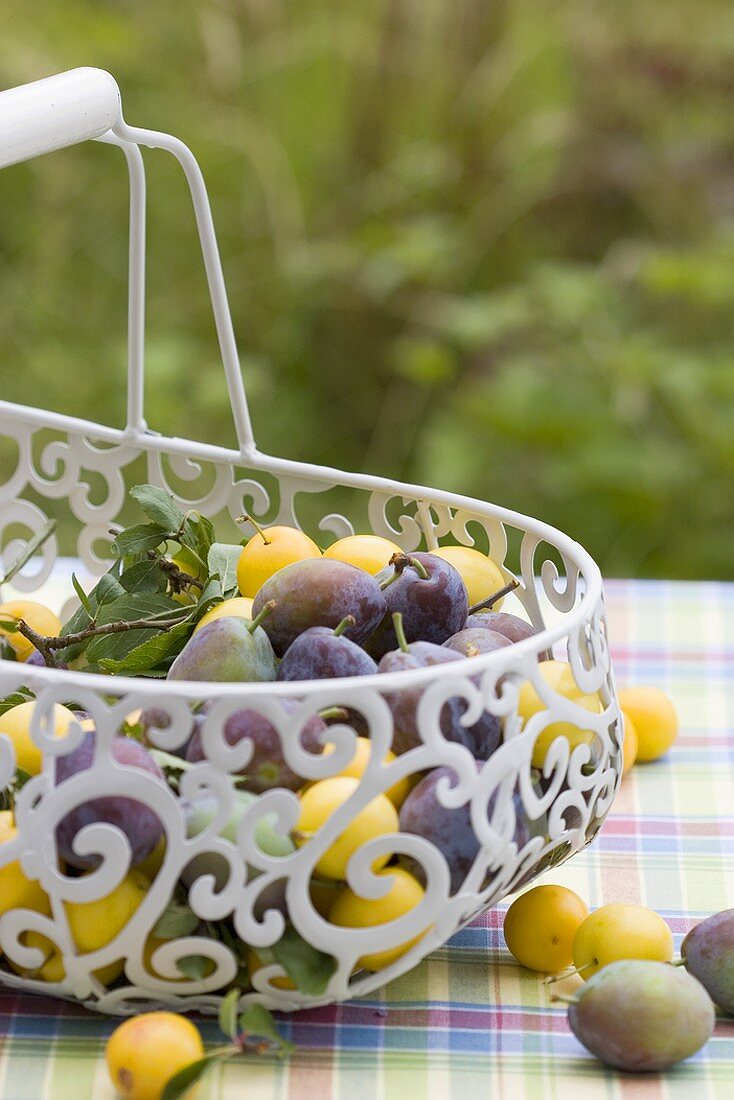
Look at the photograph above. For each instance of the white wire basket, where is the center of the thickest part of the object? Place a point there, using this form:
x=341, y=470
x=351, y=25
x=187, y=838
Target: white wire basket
x=523, y=820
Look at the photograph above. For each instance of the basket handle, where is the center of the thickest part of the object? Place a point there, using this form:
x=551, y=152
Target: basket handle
x=56, y=112
x=85, y=104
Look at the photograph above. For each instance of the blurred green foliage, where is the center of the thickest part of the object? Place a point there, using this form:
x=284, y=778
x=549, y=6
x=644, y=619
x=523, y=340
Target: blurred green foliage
x=487, y=246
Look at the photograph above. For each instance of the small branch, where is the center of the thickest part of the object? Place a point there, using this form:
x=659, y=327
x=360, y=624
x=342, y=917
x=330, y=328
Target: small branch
x=45, y=645
x=38, y=640
x=177, y=576
x=492, y=600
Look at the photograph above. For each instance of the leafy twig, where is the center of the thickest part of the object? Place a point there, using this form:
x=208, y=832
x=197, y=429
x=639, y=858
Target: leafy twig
x=253, y=1030
x=46, y=645
x=38, y=640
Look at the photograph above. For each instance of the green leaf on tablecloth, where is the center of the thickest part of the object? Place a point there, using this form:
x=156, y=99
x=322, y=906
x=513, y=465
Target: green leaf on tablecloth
x=258, y=1022
x=182, y=1081
x=310, y=970
x=159, y=506
x=223, y=560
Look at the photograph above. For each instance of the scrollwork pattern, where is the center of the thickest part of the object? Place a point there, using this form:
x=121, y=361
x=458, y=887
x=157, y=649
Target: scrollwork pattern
x=522, y=818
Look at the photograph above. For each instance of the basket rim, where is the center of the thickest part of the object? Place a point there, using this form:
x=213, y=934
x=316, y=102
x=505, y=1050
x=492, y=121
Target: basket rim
x=591, y=595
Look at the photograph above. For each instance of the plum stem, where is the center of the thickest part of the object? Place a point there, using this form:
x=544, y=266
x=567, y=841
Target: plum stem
x=249, y=519
x=565, y=998
x=570, y=972
x=397, y=622
x=677, y=962
x=389, y=581
x=267, y=609
x=401, y=561
x=492, y=600
x=347, y=621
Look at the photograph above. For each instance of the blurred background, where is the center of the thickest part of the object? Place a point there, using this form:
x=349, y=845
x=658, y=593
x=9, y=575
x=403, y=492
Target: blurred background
x=487, y=246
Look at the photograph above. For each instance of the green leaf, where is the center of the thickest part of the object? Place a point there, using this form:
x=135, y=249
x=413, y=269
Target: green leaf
x=144, y=576
x=223, y=560
x=182, y=1081
x=80, y=620
x=150, y=653
x=14, y=700
x=135, y=731
x=193, y=967
x=228, y=1013
x=197, y=535
x=159, y=506
x=168, y=760
x=176, y=920
x=29, y=550
x=138, y=605
x=130, y=606
x=210, y=595
x=108, y=588
x=83, y=597
x=309, y=969
x=7, y=653
x=256, y=1020
x=138, y=539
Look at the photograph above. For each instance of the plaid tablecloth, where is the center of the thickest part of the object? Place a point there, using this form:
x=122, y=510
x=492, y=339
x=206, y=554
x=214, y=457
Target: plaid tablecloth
x=469, y=1022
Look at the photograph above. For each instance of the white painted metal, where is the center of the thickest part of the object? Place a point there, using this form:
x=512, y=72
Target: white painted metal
x=56, y=112
x=136, y=287
x=521, y=820
x=213, y=267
